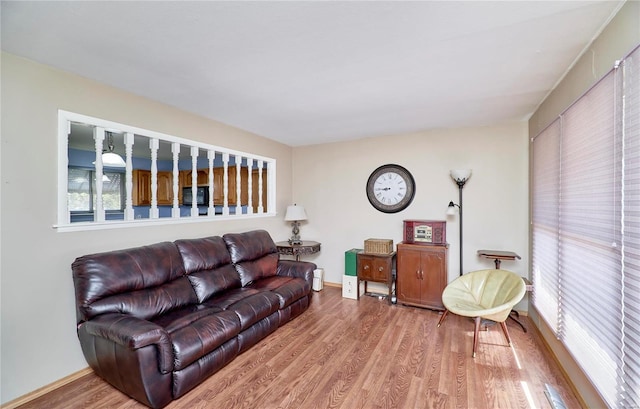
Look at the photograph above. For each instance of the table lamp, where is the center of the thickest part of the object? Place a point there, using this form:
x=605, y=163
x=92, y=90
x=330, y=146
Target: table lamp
x=295, y=214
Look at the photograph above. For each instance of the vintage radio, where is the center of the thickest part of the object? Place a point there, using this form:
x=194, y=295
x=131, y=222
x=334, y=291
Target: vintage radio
x=425, y=231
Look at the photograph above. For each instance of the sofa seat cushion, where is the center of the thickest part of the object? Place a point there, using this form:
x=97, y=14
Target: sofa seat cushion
x=202, y=336
x=250, y=309
x=288, y=289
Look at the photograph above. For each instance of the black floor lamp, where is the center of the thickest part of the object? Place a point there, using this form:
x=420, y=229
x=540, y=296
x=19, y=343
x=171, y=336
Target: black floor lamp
x=460, y=176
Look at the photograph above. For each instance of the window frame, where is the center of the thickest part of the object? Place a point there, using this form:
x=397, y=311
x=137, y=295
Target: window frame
x=63, y=224
x=92, y=175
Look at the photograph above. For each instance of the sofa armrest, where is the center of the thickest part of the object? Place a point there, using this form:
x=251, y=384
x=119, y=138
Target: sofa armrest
x=133, y=333
x=300, y=269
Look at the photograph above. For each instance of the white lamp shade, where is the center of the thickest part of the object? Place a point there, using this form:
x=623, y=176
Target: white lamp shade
x=451, y=211
x=294, y=213
x=113, y=160
x=460, y=175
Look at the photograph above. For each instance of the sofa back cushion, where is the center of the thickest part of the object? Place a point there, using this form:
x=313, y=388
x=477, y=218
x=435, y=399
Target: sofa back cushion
x=253, y=253
x=208, y=266
x=143, y=281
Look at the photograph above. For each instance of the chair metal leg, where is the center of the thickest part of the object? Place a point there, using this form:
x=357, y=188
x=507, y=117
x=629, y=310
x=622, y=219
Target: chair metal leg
x=444, y=314
x=503, y=324
x=475, y=335
x=517, y=320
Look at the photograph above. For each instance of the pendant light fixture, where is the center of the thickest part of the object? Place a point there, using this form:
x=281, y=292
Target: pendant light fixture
x=110, y=158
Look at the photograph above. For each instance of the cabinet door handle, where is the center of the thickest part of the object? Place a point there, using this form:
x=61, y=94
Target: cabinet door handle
x=418, y=274
x=366, y=267
x=422, y=275
x=381, y=269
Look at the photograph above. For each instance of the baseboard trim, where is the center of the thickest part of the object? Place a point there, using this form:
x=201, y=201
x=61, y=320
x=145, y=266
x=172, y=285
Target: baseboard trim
x=46, y=389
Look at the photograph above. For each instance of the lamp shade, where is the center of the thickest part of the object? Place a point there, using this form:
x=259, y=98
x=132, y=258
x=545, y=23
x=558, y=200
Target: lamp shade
x=460, y=175
x=295, y=213
x=113, y=160
x=451, y=210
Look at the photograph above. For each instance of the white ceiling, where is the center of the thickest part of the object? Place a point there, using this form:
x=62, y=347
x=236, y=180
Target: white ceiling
x=314, y=72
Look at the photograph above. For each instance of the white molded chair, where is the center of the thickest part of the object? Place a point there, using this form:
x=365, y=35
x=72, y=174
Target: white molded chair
x=484, y=294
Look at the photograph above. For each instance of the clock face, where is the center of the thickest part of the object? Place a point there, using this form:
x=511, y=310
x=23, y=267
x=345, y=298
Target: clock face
x=390, y=188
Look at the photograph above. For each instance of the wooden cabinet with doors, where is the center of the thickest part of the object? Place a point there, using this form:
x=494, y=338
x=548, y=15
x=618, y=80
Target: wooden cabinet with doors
x=165, y=188
x=378, y=268
x=186, y=177
x=244, y=192
x=141, y=195
x=142, y=188
x=218, y=179
x=232, y=193
x=421, y=275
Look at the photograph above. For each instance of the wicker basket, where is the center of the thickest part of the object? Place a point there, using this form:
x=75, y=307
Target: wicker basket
x=378, y=246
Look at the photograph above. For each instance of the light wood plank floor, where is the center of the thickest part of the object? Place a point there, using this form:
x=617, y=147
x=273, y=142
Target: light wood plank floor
x=351, y=354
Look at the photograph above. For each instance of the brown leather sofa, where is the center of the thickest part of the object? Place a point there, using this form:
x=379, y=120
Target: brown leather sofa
x=157, y=320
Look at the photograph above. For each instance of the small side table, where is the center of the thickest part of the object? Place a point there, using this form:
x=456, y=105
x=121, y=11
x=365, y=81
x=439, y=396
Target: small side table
x=379, y=268
x=307, y=247
x=498, y=256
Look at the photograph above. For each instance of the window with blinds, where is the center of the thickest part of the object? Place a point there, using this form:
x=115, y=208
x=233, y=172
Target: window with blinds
x=629, y=389
x=82, y=187
x=545, y=207
x=586, y=231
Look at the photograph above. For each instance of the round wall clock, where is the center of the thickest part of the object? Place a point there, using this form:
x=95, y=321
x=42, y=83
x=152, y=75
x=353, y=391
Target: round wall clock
x=390, y=188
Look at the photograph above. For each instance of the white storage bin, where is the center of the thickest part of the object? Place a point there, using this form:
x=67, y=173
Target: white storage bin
x=318, y=279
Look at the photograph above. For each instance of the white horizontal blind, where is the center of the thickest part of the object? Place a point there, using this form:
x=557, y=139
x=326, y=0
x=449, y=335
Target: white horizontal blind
x=545, y=206
x=589, y=261
x=630, y=373
x=595, y=262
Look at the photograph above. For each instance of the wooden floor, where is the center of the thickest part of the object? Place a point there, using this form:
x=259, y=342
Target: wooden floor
x=351, y=354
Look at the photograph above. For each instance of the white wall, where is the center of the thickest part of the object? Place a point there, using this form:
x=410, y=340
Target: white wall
x=329, y=181
x=38, y=337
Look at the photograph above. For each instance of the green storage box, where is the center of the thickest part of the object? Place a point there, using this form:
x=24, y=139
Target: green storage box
x=350, y=262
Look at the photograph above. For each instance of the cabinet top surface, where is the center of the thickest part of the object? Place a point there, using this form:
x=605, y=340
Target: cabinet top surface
x=422, y=245
x=393, y=253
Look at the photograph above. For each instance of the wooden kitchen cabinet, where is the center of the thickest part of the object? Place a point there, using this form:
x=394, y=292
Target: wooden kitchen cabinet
x=254, y=188
x=377, y=268
x=186, y=177
x=218, y=185
x=165, y=188
x=421, y=275
x=141, y=187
